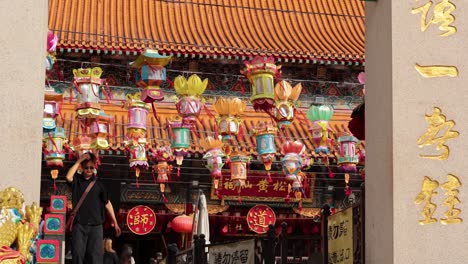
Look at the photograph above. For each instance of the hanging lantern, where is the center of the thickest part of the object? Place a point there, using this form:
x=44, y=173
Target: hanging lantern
x=261, y=72
x=292, y=160
x=87, y=83
x=189, y=104
x=151, y=74
x=320, y=129
x=239, y=169
x=214, y=158
x=182, y=224
x=162, y=156
x=52, y=103
x=52, y=41
x=285, y=98
x=180, y=140
x=266, y=147
x=229, y=111
x=54, y=153
x=348, y=157
x=138, y=159
x=99, y=130
x=137, y=116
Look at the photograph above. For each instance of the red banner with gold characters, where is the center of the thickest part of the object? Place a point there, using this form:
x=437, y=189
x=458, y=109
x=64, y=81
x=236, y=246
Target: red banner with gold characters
x=260, y=217
x=257, y=188
x=141, y=220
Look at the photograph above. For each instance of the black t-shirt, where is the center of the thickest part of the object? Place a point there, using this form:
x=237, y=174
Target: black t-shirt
x=110, y=258
x=92, y=210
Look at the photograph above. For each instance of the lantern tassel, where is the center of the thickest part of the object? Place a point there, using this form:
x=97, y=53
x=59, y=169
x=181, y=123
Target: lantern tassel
x=178, y=171
x=55, y=186
x=239, y=199
x=154, y=112
x=330, y=173
x=137, y=184
x=300, y=205
x=164, y=198
x=269, y=177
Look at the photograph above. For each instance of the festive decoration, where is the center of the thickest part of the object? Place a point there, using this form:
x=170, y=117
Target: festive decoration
x=285, y=100
x=52, y=40
x=141, y=220
x=17, y=226
x=162, y=156
x=87, y=83
x=53, y=137
x=152, y=74
x=48, y=251
x=137, y=116
x=214, y=156
x=347, y=156
x=266, y=148
x=239, y=170
x=261, y=73
x=100, y=129
x=190, y=102
x=292, y=163
x=260, y=217
x=180, y=140
x=229, y=111
x=136, y=133
x=182, y=224
x=54, y=224
x=320, y=129
x=58, y=204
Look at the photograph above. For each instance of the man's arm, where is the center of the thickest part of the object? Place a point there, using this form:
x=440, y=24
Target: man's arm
x=110, y=210
x=71, y=172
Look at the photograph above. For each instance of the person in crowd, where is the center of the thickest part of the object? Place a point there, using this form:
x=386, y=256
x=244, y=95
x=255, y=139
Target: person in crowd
x=87, y=232
x=126, y=255
x=110, y=257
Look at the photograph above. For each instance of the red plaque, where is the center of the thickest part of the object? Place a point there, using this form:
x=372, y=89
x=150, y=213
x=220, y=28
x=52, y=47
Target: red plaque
x=260, y=217
x=141, y=220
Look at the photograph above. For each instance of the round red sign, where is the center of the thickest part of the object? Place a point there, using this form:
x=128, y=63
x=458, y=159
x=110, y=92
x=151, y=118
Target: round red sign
x=141, y=220
x=260, y=217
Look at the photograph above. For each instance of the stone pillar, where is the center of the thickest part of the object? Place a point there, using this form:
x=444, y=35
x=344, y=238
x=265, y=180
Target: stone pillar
x=397, y=99
x=22, y=75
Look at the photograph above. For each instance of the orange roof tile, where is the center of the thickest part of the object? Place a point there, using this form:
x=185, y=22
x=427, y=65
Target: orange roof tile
x=295, y=29
x=157, y=134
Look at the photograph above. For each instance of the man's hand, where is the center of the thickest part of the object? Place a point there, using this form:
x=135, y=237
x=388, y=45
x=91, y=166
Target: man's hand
x=84, y=157
x=117, y=230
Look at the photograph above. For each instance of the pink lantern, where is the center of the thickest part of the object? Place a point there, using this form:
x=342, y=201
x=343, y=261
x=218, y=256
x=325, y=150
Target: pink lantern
x=99, y=131
x=162, y=156
x=189, y=93
x=348, y=157
x=137, y=116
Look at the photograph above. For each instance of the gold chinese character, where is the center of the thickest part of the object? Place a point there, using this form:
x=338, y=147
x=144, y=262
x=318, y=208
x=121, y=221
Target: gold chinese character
x=248, y=185
x=437, y=125
x=228, y=185
x=451, y=192
x=442, y=16
x=427, y=191
x=261, y=221
x=279, y=186
x=434, y=71
x=263, y=185
x=239, y=227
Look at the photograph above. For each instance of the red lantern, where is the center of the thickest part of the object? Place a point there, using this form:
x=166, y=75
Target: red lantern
x=182, y=224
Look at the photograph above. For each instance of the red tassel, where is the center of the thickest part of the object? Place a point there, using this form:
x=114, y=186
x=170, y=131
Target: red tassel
x=330, y=174
x=208, y=112
x=55, y=186
x=164, y=198
x=269, y=177
x=348, y=191
x=287, y=200
x=239, y=200
x=154, y=178
x=171, y=83
x=178, y=171
x=154, y=112
x=137, y=184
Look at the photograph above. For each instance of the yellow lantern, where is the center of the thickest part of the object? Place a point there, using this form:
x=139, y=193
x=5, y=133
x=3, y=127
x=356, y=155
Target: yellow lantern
x=285, y=98
x=190, y=102
x=262, y=72
x=229, y=116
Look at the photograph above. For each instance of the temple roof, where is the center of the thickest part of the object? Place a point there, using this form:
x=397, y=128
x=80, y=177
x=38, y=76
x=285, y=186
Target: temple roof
x=295, y=30
x=157, y=134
